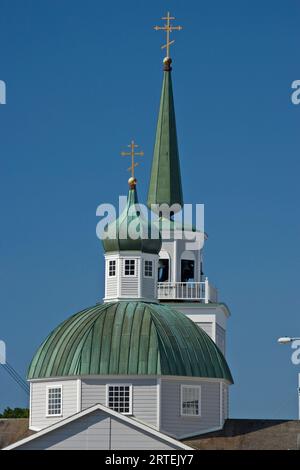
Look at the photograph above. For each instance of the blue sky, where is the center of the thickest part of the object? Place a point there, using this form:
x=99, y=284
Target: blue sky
x=83, y=78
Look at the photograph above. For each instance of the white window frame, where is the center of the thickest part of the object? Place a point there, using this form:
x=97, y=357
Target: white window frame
x=112, y=261
x=183, y=386
x=120, y=385
x=47, y=400
x=135, y=267
x=152, y=268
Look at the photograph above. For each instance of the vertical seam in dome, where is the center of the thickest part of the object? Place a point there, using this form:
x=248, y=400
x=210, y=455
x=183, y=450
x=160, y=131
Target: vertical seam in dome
x=176, y=346
x=194, y=363
x=113, y=305
x=207, y=345
x=88, y=336
x=209, y=350
x=121, y=334
x=111, y=335
x=139, y=337
x=92, y=343
x=130, y=337
x=56, y=338
x=86, y=324
x=74, y=333
x=45, y=346
x=202, y=370
x=101, y=340
x=146, y=337
x=161, y=342
x=153, y=338
x=149, y=340
x=179, y=346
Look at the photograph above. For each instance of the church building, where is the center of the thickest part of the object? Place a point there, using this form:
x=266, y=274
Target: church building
x=145, y=368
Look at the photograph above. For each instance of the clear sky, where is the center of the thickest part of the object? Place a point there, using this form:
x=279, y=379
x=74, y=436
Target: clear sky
x=83, y=78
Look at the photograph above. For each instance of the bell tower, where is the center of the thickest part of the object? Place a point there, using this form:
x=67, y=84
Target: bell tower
x=181, y=279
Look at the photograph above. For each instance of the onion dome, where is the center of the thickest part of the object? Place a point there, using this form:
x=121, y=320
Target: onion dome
x=132, y=231
x=129, y=338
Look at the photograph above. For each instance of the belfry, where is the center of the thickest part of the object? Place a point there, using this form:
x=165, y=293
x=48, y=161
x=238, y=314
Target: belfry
x=146, y=367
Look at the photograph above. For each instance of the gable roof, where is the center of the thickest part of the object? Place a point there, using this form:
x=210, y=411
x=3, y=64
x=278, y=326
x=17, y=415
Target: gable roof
x=130, y=421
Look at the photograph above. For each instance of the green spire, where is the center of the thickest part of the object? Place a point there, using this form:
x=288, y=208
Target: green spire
x=165, y=183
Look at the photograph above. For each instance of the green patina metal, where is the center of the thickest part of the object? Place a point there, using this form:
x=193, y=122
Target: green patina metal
x=129, y=338
x=119, y=237
x=165, y=182
x=173, y=225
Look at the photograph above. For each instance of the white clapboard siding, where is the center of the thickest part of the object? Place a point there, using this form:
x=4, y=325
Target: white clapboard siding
x=144, y=396
x=98, y=431
x=38, y=412
x=173, y=424
x=221, y=338
x=225, y=397
x=124, y=437
x=129, y=285
x=111, y=287
x=148, y=288
x=207, y=327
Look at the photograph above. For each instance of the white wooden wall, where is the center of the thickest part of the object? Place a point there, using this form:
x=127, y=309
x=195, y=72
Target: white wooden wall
x=144, y=396
x=173, y=424
x=98, y=431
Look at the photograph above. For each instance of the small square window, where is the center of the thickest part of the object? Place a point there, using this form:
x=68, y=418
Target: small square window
x=148, y=268
x=54, y=401
x=129, y=267
x=112, y=268
x=119, y=398
x=190, y=401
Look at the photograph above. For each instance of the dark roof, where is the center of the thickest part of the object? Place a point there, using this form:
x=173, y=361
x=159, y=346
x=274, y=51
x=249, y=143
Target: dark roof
x=250, y=434
x=129, y=338
x=12, y=430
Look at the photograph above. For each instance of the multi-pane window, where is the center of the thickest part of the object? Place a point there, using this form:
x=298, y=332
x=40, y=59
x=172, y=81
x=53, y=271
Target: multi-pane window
x=112, y=268
x=54, y=407
x=148, y=268
x=190, y=401
x=119, y=398
x=129, y=267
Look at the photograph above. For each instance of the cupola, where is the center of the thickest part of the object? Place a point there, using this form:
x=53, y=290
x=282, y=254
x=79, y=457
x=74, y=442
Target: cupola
x=131, y=249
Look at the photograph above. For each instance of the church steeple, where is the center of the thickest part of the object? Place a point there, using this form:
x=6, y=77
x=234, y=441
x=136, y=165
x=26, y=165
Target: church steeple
x=165, y=182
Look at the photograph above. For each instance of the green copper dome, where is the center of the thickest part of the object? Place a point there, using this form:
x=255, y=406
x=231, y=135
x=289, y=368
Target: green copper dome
x=129, y=338
x=119, y=236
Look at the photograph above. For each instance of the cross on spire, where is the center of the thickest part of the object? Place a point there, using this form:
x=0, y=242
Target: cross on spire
x=168, y=28
x=132, y=154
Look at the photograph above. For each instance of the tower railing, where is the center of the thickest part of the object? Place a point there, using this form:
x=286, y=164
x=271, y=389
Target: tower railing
x=196, y=291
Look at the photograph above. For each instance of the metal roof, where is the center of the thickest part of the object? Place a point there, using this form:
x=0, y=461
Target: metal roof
x=129, y=338
x=119, y=237
x=165, y=183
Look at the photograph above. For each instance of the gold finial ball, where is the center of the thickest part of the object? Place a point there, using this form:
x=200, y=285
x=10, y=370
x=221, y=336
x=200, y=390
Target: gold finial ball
x=167, y=63
x=132, y=182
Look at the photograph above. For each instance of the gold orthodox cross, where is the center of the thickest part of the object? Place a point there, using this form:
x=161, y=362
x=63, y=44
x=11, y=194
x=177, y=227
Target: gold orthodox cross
x=168, y=28
x=132, y=154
